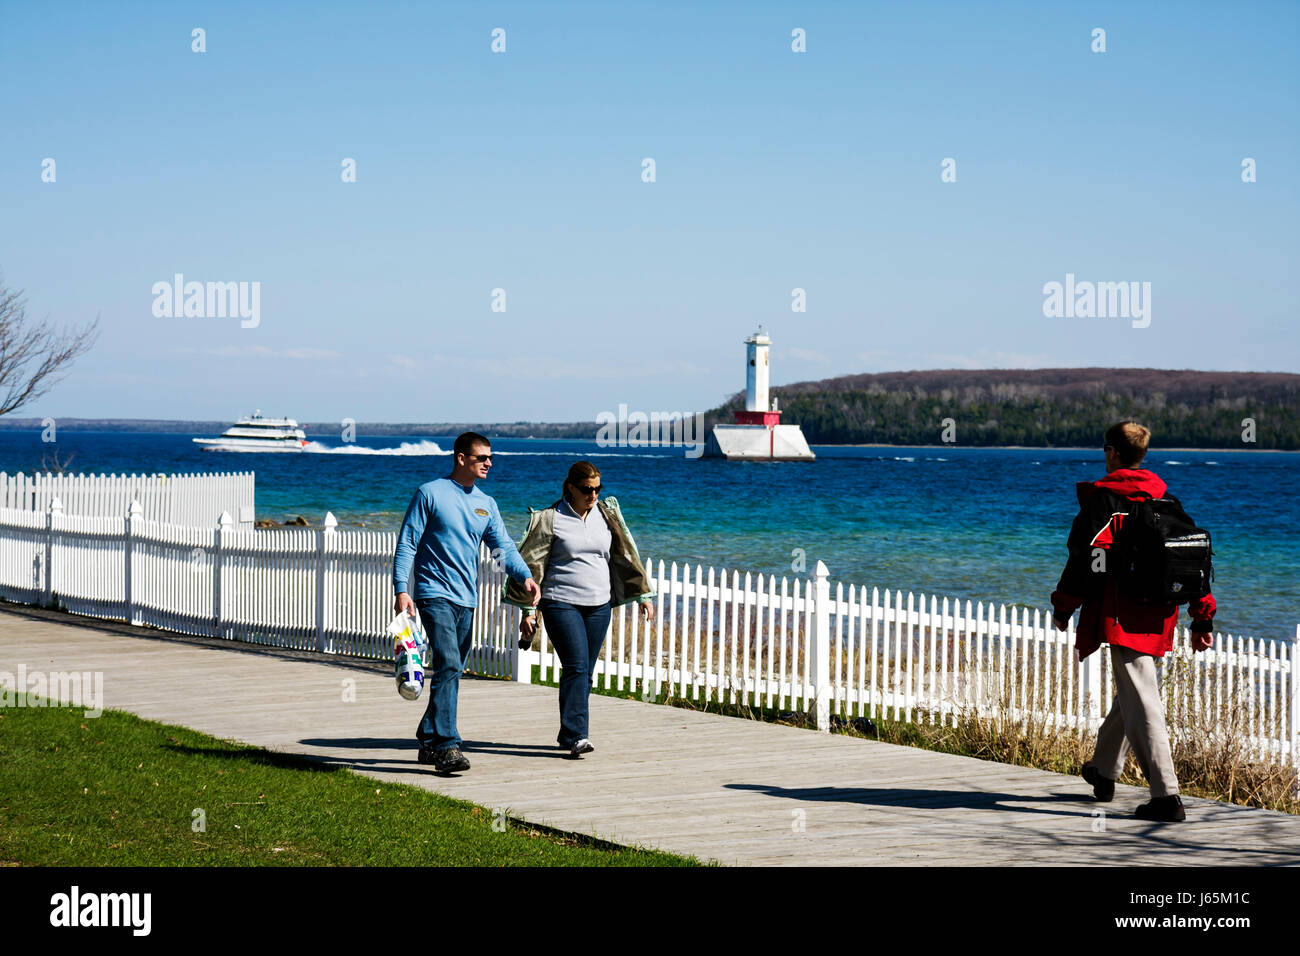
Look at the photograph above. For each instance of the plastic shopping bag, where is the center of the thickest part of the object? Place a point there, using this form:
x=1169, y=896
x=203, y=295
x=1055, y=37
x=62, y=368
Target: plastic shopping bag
x=410, y=655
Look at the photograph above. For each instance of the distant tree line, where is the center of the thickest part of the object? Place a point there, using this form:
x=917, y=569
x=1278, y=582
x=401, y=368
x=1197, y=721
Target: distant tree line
x=1044, y=407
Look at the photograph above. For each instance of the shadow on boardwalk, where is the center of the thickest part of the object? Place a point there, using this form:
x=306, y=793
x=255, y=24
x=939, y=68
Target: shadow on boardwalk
x=922, y=799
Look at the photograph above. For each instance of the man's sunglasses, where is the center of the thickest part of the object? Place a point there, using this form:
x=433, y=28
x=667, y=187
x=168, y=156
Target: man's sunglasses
x=474, y=458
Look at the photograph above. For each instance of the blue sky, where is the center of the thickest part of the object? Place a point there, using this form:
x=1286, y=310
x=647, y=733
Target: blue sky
x=521, y=170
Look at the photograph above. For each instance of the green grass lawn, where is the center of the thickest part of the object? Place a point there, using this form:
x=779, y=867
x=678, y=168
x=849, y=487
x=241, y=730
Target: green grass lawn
x=120, y=791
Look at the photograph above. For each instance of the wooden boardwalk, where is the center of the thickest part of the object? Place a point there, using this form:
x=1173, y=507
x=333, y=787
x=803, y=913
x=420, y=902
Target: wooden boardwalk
x=725, y=789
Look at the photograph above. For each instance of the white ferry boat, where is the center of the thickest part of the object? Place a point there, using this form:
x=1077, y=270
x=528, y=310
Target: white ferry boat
x=256, y=433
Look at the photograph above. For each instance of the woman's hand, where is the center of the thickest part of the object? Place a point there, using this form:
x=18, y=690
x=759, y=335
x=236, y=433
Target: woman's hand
x=527, y=628
x=647, y=611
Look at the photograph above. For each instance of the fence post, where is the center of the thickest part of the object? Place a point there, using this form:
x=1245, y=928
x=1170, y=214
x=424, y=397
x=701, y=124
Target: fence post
x=1091, y=685
x=52, y=517
x=132, y=516
x=820, y=648
x=1295, y=701
x=521, y=661
x=223, y=525
x=323, y=539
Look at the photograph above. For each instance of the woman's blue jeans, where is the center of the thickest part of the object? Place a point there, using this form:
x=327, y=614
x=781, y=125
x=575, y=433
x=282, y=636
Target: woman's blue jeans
x=577, y=631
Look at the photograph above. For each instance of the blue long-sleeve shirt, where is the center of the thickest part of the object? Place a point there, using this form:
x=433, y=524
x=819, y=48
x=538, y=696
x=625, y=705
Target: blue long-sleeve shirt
x=440, y=538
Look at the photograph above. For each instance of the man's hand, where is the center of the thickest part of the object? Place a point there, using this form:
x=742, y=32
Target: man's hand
x=1202, y=627
x=647, y=611
x=404, y=604
x=531, y=587
x=1059, y=624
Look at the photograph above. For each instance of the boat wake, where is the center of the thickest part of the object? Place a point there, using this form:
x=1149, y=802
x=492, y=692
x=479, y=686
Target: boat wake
x=405, y=448
x=426, y=447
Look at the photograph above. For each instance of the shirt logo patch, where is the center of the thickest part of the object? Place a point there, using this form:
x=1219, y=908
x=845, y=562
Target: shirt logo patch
x=480, y=512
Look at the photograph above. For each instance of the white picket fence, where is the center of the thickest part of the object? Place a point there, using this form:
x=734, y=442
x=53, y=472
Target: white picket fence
x=716, y=638
x=194, y=499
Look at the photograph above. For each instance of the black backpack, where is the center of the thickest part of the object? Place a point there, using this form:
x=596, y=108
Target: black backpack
x=1160, y=556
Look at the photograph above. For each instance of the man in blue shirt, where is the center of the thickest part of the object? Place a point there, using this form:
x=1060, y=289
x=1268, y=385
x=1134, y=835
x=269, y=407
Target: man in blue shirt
x=438, y=549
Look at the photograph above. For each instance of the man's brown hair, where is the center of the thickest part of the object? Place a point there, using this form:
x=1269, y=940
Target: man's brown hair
x=465, y=443
x=1129, y=439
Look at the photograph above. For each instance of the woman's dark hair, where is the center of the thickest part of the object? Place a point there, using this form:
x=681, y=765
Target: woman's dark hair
x=581, y=471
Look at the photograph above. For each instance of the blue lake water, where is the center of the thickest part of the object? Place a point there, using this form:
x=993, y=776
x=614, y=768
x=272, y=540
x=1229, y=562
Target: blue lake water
x=974, y=524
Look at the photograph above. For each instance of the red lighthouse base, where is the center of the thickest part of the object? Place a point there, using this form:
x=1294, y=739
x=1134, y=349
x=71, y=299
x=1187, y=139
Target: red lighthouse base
x=758, y=418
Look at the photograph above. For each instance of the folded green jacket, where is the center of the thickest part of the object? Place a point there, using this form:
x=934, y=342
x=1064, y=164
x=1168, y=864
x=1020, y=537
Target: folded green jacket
x=628, y=580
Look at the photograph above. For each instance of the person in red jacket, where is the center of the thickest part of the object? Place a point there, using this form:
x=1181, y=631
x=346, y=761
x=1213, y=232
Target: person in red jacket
x=1137, y=634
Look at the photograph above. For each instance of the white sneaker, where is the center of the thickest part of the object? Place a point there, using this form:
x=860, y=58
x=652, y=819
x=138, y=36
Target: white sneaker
x=581, y=747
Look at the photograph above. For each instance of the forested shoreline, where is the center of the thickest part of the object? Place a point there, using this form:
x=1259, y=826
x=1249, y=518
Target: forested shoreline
x=1043, y=407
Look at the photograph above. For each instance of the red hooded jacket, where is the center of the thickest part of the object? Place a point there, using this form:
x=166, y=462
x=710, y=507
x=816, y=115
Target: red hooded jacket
x=1108, y=616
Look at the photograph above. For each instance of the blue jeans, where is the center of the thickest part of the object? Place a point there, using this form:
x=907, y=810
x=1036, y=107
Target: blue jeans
x=447, y=627
x=577, y=631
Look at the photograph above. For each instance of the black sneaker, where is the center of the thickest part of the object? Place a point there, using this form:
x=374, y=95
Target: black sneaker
x=447, y=760
x=1162, y=810
x=581, y=747
x=1103, y=788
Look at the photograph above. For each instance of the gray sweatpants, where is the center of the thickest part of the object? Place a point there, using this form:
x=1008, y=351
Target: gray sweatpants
x=1136, y=720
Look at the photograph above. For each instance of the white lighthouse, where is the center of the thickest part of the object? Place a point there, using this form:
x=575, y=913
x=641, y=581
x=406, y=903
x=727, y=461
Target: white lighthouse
x=758, y=434
x=757, y=347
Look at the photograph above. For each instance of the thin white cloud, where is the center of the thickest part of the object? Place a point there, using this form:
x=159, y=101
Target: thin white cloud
x=988, y=358
x=310, y=353
x=536, y=368
x=262, y=352
x=807, y=355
